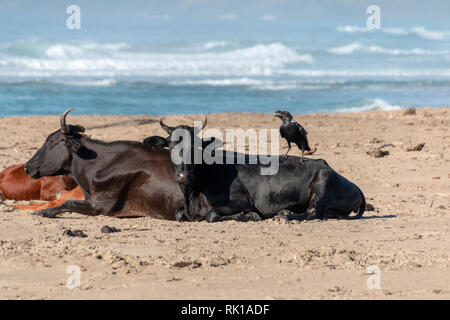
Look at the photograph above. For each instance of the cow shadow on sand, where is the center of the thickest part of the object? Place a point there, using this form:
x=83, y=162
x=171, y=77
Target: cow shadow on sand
x=299, y=217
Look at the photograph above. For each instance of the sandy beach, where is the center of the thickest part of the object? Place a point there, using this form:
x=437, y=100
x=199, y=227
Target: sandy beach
x=407, y=236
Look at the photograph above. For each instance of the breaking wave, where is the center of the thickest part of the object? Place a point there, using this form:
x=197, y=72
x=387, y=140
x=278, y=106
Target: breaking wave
x=215, y=44
x=371, y=105
x=38, y=58
x=420, y=31
x=359, y=47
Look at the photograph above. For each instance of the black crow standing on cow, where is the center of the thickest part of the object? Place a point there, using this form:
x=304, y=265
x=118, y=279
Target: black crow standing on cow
x=293, y=131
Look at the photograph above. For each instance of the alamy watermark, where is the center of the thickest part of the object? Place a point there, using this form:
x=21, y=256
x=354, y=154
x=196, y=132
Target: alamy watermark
x=74, y=280
x=73, y=22
x=374, y=280
x=374, y=18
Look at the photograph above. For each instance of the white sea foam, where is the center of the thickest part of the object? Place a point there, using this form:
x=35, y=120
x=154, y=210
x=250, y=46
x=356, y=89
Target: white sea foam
x=356, y=29
x=38, y=48
x=431, y=35
x=268, y=17
x=347, y=49
x=90, y=83
x=61, y=51
x=358, y=47
x=215, y=44
x=109, y=60
x=367, y=73
x=256, y=84
x=306, y=84
x=300, y=73
x=228, y=16
x=420, y=31
x=375, y=104
x=395, y=31
x=220, y=82
x=352, y=29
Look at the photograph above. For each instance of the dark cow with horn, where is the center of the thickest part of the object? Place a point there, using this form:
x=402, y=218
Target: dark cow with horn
x=217, y=192
x=119, y=178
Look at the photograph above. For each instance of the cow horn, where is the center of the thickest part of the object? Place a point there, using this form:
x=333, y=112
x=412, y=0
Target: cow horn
x=204, y=123
x=166, y=127
x=64, y=128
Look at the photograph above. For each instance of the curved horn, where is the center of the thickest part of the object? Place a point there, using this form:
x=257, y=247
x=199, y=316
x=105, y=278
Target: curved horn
x=166, y=127
x=204, y=123
x=64, y=128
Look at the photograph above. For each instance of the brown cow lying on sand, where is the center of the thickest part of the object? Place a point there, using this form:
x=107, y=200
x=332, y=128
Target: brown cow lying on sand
x=15, y=184
x=74, y=194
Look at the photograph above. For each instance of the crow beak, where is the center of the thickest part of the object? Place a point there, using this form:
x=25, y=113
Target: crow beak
x=278, y=114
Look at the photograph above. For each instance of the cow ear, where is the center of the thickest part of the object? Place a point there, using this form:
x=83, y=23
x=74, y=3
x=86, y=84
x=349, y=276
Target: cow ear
x=156, y=143
x=74, y=145
x=78, y=128
x=206, y=143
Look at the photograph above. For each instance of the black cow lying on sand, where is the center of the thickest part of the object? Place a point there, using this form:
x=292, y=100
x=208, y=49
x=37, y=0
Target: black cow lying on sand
x=119, y=178
x=218, y=192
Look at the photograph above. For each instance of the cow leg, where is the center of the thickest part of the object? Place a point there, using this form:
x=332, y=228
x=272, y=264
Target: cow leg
x=319, y=201
x=180, y=216
x=39, y=206
x=129, y=214
x=243, y=217
x=333, y=195
x=344, y=207
x=78, y=206
x=224, y=212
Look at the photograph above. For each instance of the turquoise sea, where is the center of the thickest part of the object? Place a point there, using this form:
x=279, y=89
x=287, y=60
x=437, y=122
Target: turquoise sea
x=129, y=59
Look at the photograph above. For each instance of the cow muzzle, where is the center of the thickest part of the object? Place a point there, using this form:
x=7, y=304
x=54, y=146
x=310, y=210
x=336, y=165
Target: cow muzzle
x=181, y=179
x=33, y=173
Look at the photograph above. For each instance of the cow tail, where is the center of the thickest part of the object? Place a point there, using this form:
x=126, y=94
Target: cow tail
x=362, y=207
x=2, y=197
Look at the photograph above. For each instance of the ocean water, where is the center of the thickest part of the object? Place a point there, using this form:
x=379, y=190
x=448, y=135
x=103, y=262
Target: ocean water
x=170, y=67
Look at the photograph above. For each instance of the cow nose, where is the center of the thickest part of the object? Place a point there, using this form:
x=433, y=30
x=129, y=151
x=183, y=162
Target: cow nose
x=181, y=178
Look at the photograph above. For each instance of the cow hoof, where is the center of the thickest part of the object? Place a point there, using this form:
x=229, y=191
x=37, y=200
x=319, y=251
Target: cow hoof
x=179, y=215
x=252, y=216
x=43, y=213
x=38, y=213
x=213, y=217
x=311, y=216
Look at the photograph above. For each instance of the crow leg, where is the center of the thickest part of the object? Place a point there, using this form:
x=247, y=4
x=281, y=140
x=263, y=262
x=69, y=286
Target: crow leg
x=301, y=160
x=289, y=148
